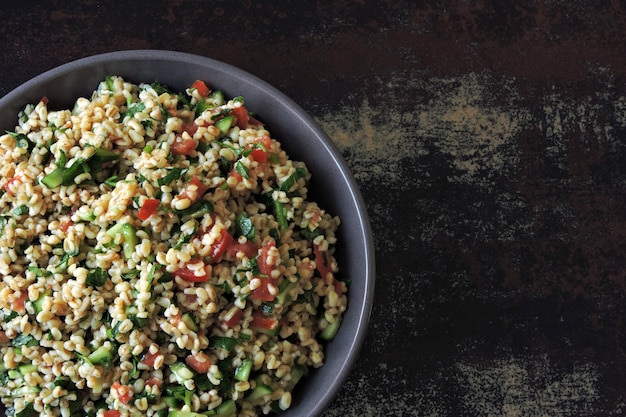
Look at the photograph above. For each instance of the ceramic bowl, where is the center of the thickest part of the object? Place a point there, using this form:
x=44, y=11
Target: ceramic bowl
x=332, y=185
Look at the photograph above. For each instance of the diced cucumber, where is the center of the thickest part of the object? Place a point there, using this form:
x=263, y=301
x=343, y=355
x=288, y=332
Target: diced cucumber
x=224, y=124
x=223, y=342
x=27, y=368
x=259, y=392
x=37, y=304
x=284, y=290
x=53, y=179
x=129, y=237
x=190, y=322
x=297, y=372
x=330, y=331
x=242, y=373
x=181, y=372
x=181, y=413
x=217, y=97
x=104, y=155
x=101, y=356
x=24, y=391
x=226, y=409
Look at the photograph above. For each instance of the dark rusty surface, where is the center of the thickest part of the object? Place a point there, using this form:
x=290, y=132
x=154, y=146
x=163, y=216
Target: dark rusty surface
x=489, y=141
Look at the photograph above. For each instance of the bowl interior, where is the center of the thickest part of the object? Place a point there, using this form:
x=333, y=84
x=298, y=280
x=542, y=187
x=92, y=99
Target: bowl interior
x=332, y=185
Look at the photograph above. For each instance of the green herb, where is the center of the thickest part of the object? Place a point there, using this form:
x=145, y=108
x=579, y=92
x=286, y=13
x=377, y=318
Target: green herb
x=109, y=83
x=161, y=88
x=24, y=340
x=22, y=141
x=133, y=109
x=310, y=234
x=66, y=258
x=281, y=214
x=242, y=170
x=7, y=317
x=245, y=226
x=131, y=274
x=114, y=331
x=96, y=277
x=147, y=123
x=174, y=174
x=300, y=172
x=39, y=272
x=21, y=210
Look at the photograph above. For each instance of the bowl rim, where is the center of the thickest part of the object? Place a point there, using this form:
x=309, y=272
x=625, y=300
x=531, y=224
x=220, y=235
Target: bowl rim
x=24, y=93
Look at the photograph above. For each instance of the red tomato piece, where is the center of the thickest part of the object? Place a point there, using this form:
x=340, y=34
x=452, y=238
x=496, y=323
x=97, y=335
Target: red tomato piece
x=19, y=303
x=189, y=274
x=112, y=413
x=9, y=184
x=148, y=208
x=322, y=261
x=235, y=318
x=261, y=322
x=149, y=359
x=249, y=249
x=198, y=191
x=263, y=293
x=264, y=267
x=123, y=392
x=261, y=153
x=44, y=100
x=183, y=146
x=241, y=113
x=199, y=362
x=201, y=87
x=154, y=381
x=236, y=175
x=221, y=245
x=63, y=226
x=190, y=128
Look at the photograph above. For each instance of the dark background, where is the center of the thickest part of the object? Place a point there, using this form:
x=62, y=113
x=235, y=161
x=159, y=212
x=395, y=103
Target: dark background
x=489, y=142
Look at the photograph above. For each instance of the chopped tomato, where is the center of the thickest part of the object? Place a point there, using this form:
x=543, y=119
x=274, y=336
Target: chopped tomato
x=189, y=274
x=154, y=382
x=44, y=100
x=241, y=113
x=254, y=122
x=199, y=188
x=112, y=413
x=260, y=153
x=149, y=207
x=260, y=321
x=201, y=87
x=264, y=267
x=322, y=261
x=249, y=249
x=235, y=318
x=149, y=359
x=63, y=226
x=123, y=392
x=236, y=175
x=263, y=293
x=9, y=184
x=190, y=128
x=199, y=362
x=182, y=146
x=19, y=303
x=221, y=245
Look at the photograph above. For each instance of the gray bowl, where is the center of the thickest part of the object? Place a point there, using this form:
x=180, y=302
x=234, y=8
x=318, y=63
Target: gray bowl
x=332, y=186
